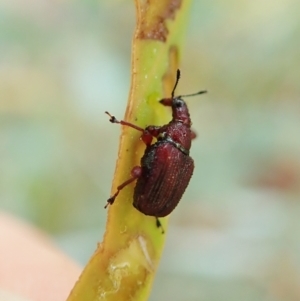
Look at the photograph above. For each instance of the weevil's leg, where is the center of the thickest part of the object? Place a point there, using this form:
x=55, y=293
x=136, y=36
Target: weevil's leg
x=146, y=136
x=113, y=119
x=150, y=132
x=193, y=135
x=159, y=225
x=136, y=172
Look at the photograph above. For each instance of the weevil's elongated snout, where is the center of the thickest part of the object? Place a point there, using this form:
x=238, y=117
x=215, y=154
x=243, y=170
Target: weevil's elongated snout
x=166, y=102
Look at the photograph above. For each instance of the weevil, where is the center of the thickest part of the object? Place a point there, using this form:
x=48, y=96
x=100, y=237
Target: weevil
x=166, y=166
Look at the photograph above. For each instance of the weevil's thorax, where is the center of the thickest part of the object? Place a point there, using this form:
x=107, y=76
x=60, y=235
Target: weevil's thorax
x=179, y=128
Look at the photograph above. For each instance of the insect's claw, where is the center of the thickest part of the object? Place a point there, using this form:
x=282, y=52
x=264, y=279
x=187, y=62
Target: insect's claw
x=159, y=225
x=110, y=201
x=112, y=118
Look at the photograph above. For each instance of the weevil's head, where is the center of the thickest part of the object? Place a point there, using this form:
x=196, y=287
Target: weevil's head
x=179, y=107
x=180, y=111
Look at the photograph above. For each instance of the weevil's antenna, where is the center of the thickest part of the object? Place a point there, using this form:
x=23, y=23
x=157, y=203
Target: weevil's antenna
x=200, y=92
x=177, y=80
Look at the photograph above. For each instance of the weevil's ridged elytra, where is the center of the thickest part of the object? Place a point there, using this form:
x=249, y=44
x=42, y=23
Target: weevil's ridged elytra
x=166, y=167
x=167, y=174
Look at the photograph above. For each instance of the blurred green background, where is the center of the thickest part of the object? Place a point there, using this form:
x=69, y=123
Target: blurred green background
x=236, y=233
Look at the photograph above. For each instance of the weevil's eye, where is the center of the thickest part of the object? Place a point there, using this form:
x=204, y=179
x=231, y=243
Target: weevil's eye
x=178, y=102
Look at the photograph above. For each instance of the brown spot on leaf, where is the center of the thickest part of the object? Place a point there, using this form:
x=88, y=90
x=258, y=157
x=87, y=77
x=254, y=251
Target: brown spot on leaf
x=153, y=16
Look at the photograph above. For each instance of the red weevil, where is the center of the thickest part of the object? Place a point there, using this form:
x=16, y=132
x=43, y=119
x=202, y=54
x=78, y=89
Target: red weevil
x=166, y=167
